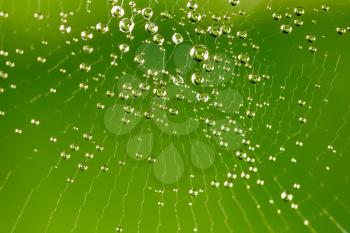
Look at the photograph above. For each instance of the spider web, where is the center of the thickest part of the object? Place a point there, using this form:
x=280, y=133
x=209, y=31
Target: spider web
x=285, y=159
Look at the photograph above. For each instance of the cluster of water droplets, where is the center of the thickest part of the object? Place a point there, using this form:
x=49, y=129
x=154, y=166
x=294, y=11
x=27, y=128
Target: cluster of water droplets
x=184, y=72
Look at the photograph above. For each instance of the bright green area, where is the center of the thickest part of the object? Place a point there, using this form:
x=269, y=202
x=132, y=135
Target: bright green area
x=34, y=194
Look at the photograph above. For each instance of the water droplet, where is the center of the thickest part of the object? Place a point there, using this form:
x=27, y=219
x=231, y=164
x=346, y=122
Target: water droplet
x=197, y=79
x=286, y=196
x=286, y=28
x=85, y=35
x=82, y=166
x=276, y=16
x=310, y=37
x=126, y=25
x=177, y=38
x=341, y=30
x=124, y=48
x=194, y=16
x=199, y=53
x=147, y=12
x=299, y=11
x=234, y=2
x=117, y=11
x=151, y=27
x=158, y=39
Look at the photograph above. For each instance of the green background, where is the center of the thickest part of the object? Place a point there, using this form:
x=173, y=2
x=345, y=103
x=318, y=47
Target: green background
x=34, y=194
